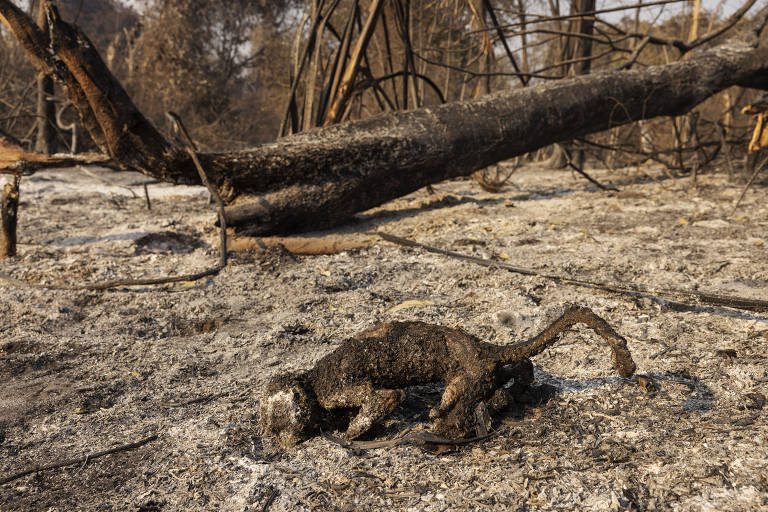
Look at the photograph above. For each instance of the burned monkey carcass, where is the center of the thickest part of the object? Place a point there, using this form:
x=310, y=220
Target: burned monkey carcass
x=369, y=371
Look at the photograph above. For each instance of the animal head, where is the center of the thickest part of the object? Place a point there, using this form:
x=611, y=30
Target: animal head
x=289, y=410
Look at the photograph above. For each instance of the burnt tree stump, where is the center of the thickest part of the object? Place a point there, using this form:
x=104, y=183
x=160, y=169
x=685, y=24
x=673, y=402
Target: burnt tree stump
x=9, y=208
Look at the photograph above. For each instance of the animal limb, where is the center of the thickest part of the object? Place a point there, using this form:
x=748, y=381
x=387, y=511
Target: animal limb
x=622, y=359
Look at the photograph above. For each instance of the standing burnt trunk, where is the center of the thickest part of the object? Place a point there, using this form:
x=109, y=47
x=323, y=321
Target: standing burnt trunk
x=9, y=207
x=580, y=49
x=45, y=141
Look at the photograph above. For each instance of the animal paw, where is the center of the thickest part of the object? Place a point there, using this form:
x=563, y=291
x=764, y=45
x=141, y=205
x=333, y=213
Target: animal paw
x=375, y=409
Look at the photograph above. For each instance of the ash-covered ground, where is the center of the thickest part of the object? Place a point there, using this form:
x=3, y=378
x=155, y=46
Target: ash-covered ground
x=84, y=371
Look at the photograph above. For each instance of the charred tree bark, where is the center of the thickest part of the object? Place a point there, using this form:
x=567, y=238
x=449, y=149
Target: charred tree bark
x=580, y=46
x=320, y=178
x=45, y=141
x=9, y=208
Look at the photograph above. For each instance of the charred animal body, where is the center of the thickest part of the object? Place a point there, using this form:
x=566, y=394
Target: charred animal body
x=369, y=371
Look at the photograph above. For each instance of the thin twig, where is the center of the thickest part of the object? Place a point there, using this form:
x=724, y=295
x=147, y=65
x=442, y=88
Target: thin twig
x=78, y=460
x=192, y=150
x=690, y=298
x=758, y=168
x=146, y=197
x=409, y=437
x=272, y=497
x=635, y=55
x=587, y=176
x=725, y=148
x=198, y=400
x=103, y=180
x=546, y=18
x=106, y=285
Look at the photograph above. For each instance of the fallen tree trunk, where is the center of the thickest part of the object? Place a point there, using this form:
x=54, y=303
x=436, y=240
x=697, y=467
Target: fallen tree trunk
x=320, y=178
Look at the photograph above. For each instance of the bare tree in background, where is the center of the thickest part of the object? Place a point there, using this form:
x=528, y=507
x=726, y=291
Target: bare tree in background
x=242, y=74
x=45, y=140
x=418, y=53
x=217, y=69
